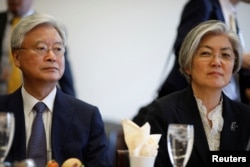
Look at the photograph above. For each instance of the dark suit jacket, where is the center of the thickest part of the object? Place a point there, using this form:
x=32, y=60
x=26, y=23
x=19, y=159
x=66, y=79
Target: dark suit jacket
x=181, y=107
x=194, y=12
x=66, y=82
x=77, y=130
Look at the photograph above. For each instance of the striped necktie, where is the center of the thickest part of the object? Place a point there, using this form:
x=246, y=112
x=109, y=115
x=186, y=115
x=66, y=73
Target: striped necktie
x=15, y=78
x=37, y=144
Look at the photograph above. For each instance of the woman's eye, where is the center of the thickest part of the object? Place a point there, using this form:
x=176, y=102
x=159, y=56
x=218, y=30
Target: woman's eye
x=205, y=54
x=225, y=54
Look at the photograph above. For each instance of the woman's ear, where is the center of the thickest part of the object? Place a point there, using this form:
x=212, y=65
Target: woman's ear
x=187, y=71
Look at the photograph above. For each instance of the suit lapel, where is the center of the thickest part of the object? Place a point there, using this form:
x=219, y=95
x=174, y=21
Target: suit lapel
x=230, y=128
x=15, y=105
x=189, y=114
x=62, y=116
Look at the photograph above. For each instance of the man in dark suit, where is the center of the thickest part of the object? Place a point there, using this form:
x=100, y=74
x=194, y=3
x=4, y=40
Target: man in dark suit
x=73, y=127
x=21, y=9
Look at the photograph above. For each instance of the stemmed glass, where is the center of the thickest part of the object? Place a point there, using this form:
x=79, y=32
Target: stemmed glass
x=7, y=127
x=180, y=139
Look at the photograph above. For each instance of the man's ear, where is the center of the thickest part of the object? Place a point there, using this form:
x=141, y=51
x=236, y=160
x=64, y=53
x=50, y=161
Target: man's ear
x=16, y=57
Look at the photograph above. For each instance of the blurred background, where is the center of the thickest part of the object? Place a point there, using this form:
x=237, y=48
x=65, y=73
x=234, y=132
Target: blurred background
x=119, y=49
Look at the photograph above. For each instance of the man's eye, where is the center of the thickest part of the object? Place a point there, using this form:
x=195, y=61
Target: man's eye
x=58, y=49
x=41, y=48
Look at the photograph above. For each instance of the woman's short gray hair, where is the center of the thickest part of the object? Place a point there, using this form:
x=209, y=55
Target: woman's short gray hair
x=194, y=37
x=26, y=24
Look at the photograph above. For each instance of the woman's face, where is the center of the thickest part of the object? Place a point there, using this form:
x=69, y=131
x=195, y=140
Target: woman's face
x=213, y=62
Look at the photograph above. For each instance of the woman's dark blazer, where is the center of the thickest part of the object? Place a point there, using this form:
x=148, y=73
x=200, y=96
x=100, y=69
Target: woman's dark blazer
x=181, y=107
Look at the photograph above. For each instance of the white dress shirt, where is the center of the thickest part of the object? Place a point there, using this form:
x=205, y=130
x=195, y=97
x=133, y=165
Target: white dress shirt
x=29, y=114
x=232, y=90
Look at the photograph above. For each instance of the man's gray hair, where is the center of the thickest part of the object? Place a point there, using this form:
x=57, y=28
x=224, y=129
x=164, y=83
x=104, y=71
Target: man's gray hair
x=26, y=24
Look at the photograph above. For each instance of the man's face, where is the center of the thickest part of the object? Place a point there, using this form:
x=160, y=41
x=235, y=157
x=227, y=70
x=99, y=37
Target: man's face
x=41, y=56
x=19, y=7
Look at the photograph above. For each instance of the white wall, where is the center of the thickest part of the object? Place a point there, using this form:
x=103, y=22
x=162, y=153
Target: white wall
x=118, y=48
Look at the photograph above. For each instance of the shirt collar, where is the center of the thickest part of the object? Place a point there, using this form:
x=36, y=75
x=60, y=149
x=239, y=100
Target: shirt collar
x=29, y=101
x=227, y=5
x=215, y=115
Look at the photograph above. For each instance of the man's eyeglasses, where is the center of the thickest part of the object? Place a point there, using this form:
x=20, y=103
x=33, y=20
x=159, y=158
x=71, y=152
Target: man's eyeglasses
x=43, y=50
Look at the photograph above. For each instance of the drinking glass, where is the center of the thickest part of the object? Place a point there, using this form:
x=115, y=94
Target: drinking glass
x=180, y=139
x=7, y=126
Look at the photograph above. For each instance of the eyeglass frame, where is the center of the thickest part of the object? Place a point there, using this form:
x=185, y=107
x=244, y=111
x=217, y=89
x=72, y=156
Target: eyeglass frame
x=223, y=57
x=41, y=51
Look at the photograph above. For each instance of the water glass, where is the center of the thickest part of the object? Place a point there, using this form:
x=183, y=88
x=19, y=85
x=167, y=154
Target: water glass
x=180, y=139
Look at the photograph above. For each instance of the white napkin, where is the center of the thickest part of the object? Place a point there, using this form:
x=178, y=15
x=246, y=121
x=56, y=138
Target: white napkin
x=138, y=139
